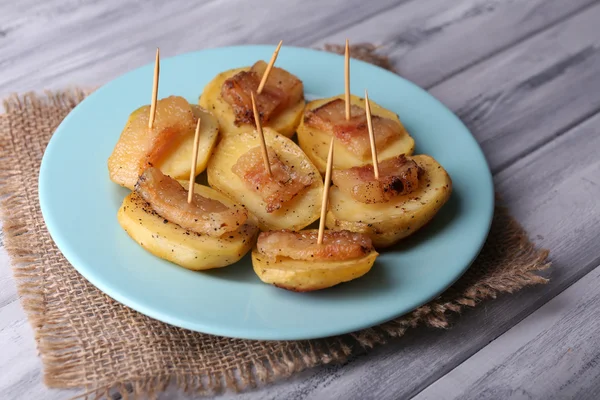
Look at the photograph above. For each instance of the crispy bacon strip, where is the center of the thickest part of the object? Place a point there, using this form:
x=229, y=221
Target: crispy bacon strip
x=336, y=246
x=281, y=90
x=354, y=134
x=284, y=184
x=397, y=176
x=204, y=215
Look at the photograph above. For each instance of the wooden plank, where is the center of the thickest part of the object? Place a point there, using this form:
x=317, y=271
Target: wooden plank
x=525, y=96
x=414, y=30
x=77, y=47
x=55, y=44
x=8, y=291
x=552, y=354
x=430, y=40
x=20, y=368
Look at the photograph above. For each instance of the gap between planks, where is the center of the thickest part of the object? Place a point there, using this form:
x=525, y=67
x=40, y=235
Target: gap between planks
x=313, y=38
x=548, y=141
x=531, y=35
x=528, y=334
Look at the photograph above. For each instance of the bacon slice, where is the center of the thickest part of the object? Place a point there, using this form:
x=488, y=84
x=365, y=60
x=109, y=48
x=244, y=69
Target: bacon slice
x=281, y=90
x=302, y=245
x=397, y=176
x=354, y=134
x=276, y=190
x=204, y=215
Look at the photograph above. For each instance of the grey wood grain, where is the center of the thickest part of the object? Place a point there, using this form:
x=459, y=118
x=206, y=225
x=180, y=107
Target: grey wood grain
x=20, y=368
x=525, y=96
x=516, y=101
x=77, y=47
x=91, y=42
x=560, y=340
x=431, y=40
x=8, y=292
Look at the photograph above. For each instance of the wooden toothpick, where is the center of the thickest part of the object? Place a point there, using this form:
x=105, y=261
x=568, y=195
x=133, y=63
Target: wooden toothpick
x=325, y=193
x=194, y=162
x=371, y=135
x=347, y=78
x=259, y=129
x=265, y=76
x=154, y=90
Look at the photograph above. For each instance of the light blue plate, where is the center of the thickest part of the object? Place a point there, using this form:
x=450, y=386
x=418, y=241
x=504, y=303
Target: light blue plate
x=80, y=203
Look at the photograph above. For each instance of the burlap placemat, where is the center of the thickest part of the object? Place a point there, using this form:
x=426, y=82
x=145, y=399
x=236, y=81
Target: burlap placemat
x=87, y=340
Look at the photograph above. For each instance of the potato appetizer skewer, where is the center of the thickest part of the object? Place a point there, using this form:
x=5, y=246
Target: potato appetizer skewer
x=210, y=232
x=409, y=192
x=280, y=104
x=295, y=261
x=168, y=145
x=325, y=117
x=289, y=199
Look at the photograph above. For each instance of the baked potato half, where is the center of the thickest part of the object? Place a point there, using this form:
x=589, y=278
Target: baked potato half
x=173, y=243
x=295, y=214
x=303, y=276
x=315, y=142
x=171, y=154
x=211, y=99
x=387, y=223
x=297, y=261
x=177, y=163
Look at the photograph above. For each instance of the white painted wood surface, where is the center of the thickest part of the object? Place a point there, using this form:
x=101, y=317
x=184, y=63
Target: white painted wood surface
x=524, y=75
x=559, y=339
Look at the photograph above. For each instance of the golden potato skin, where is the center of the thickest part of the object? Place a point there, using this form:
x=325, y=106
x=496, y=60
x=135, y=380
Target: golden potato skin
x=299, y=212
x=188, y=249
x=315, y=142
x=284, y=123
x=177, y=163
x=387, y=223
x=305, y=276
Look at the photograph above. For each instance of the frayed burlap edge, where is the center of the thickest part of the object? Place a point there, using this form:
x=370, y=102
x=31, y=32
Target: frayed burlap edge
x=66, y=98
x=55, y=340
x=60, y=348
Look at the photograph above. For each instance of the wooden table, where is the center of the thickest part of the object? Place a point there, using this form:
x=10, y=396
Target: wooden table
x=524, y=75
